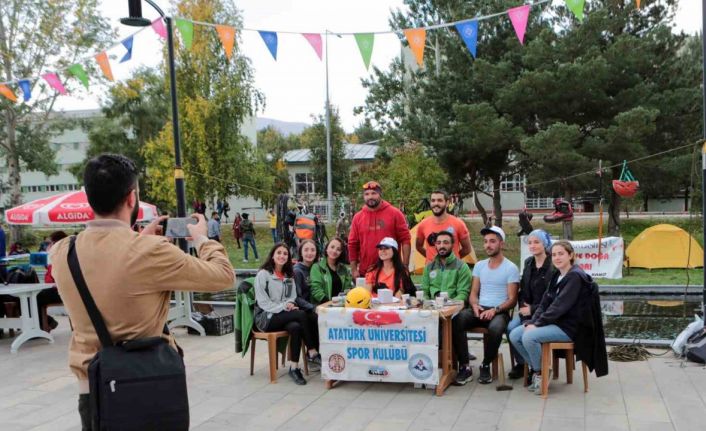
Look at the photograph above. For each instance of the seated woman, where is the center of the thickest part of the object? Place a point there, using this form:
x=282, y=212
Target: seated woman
x=557, y=317
x=536, y=275
x=308, y=255
x=276, y=309
x=389, y=272
x=330, y=276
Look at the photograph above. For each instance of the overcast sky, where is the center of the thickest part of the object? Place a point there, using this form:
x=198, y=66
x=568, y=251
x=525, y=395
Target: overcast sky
x=294, y=85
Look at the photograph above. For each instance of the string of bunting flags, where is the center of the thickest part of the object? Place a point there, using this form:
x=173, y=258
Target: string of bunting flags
x=416, y=37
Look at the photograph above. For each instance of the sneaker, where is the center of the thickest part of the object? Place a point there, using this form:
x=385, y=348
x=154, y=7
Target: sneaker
x=484, y=378
x=517, y=372
x=472, y=357
x=465, y=375
x=296, y=375
x=536, y=383
x=245, y=261
x=538, y=387
x=314, y=363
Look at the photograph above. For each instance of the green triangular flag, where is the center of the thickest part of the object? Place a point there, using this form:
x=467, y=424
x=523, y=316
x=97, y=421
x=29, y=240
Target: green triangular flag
x=186, y=28
x=80, y=73
x=365, y=43
x=576, y=6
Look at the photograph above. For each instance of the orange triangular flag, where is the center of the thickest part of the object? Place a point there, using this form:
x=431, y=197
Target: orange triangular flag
x=227, y=35
x=638, y=4
x=416, y=38
x=5, y=91
x=102, y=60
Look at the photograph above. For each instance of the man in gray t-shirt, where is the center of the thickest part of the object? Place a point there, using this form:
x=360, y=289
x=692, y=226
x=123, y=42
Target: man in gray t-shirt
x=493, y=295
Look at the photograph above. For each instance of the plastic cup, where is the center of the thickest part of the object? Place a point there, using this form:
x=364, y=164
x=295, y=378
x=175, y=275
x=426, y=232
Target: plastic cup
x=439, y=301
x=360, y=282
x=419, y=294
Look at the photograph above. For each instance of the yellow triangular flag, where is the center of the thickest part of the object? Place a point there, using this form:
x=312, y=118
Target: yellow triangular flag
x=104, y=63
x=227, y=35
x=416, y=38
x=5, y=91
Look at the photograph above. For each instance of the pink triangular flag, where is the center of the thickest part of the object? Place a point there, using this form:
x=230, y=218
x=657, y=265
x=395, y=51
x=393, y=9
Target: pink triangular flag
x=519, y=16
x=159, y=28
x=314, y=40
x=54, y=81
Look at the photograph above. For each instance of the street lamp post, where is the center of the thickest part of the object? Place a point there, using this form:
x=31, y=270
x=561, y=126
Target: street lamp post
x=136, y=20
x=180, y=315
x=703, y=148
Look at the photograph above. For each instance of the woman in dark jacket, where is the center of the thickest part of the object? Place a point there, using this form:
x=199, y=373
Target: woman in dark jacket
x=308, y=254
x=557, y=317
x=536, y=275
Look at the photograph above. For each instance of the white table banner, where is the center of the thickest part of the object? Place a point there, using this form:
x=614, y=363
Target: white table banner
x=379, y=345
x=611, y=258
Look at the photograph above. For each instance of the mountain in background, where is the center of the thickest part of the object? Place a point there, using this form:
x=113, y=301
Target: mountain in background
x=286, y=127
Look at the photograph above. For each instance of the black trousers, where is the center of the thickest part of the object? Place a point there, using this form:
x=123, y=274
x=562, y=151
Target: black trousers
x=84, y=410
x=314, y=325
x=298, y=325
x=466, y=320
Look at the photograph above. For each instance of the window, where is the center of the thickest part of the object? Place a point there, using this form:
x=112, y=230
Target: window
x=76, y=145
x=514, y=183
x=304, y=183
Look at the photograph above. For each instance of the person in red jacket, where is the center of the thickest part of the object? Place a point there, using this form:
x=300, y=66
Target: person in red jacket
x=376, y=220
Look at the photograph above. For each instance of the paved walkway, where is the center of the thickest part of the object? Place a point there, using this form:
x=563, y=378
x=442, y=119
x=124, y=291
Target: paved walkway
x=37, y=392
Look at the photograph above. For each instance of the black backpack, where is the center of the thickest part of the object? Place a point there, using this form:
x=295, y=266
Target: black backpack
x=133, y=384
x=696, y=347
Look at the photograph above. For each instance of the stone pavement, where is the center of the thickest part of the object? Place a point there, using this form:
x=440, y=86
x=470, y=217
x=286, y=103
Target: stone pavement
x=38, y=392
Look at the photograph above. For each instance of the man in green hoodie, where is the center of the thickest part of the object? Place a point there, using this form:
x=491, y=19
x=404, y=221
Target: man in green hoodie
x=446, y=273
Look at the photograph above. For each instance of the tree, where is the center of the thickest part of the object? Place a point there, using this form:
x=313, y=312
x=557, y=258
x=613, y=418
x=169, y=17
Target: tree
x=215, y=96
x=622, y=79
x=37, y=36
x=619, y=86
x=365, y=133
x=399, y=174
x=134, y=113
x=314, y=138
x=435, y=105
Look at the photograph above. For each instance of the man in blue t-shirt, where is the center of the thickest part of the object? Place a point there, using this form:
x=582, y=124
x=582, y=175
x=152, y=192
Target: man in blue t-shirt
x=493, y=295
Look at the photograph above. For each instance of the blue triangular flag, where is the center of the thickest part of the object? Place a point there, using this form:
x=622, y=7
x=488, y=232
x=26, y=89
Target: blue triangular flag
x=26, y=87
x=127, y=43
x=469, y=33
x=270, y=38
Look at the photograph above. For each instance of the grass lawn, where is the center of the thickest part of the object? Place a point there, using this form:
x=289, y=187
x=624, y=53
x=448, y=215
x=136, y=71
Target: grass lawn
x=583, y=229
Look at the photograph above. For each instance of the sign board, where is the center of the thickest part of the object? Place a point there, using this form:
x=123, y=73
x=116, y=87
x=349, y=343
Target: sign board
x=379, y=345
x=611, y=257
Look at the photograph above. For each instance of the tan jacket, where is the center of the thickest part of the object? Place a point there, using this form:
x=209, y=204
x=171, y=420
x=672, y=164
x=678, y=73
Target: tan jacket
x=130, y=277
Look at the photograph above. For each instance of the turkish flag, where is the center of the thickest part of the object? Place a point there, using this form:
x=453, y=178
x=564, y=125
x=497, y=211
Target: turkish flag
x=376, y=318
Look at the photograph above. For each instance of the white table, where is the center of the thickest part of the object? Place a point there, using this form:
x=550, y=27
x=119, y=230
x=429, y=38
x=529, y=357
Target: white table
x=29, y=313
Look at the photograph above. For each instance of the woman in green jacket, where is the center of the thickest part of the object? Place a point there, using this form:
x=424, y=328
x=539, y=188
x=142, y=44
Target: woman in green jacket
x=330, y=277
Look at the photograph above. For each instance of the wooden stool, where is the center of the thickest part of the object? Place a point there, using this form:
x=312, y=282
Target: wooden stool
x=498, y=366
x=548, y=356
x=271, y=338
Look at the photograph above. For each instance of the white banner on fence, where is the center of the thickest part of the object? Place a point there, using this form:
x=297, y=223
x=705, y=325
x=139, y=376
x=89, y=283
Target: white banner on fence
x=379, y=345
x=611, y=259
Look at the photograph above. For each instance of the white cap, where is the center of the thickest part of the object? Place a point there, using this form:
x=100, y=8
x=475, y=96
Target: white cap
x=388, y=242
x=493, y=229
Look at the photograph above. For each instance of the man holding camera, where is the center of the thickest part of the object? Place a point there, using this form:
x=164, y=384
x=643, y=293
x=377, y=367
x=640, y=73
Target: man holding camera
x=130, y=275
x=440, y=221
